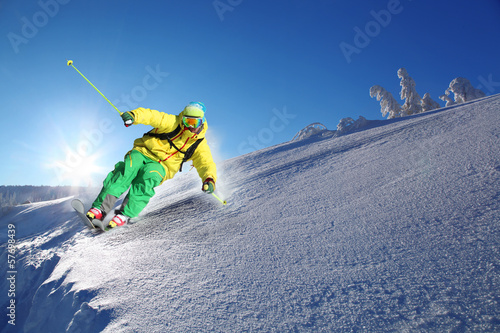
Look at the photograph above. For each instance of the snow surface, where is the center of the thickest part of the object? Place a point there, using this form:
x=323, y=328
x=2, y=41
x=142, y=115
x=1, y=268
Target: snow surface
x=391, y=229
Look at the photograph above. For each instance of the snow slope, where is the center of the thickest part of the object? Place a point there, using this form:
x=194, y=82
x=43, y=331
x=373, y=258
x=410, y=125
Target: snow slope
x=390, y=229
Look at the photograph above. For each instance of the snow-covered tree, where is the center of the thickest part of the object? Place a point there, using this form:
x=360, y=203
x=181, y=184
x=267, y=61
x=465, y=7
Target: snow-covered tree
x=447, y=99
x=428, y=103
x=309, y=131
x=409, y=94
x=388, y=104
x=348, y=124
x=463, y=90
x=344, y=123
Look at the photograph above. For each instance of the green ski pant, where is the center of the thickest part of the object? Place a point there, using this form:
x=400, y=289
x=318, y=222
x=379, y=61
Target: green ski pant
x=138, y=172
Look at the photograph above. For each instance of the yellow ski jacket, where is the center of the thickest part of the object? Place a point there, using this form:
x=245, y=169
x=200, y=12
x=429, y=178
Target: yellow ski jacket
x=168, y=156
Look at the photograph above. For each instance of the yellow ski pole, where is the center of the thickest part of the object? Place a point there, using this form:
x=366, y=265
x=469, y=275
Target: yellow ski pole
x=224, y=202
x=70, y=63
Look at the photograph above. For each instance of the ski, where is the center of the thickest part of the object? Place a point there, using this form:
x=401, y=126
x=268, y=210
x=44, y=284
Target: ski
x=80, y=210
x=99, y=224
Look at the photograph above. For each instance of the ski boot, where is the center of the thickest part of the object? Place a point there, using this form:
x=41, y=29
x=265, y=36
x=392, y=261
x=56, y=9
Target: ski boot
x=117, y=221
x=95, y=214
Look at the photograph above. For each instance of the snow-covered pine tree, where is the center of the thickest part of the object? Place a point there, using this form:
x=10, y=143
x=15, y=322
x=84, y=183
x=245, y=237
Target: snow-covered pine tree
x=347, y=125
x=409, y=94
x=463, y=90
x=388, y=104
x=428, y=103
x=447, y=99
x=309, y=131
x=344, y=123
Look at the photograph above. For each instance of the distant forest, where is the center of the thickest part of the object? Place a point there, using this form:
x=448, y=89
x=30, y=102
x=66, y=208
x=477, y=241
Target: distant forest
x=17, y=195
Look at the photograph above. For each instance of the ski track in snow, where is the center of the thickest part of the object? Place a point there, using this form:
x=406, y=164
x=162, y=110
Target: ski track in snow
x=390, y=229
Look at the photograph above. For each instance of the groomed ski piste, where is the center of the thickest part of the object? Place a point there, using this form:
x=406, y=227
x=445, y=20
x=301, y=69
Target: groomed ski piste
x=394, y=228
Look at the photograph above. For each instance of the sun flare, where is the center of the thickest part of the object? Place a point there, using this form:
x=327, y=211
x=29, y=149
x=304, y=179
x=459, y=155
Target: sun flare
x=79, y=167
x=78, y=172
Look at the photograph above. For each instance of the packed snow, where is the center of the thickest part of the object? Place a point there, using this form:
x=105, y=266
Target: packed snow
x=394, y=228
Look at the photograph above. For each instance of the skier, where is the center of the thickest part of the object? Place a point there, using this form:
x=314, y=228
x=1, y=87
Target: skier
x=156, y=157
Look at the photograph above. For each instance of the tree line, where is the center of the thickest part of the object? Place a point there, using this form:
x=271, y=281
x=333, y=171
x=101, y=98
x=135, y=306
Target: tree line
x=17, y=195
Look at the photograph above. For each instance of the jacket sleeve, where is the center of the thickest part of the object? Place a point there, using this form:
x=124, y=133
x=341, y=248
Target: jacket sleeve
x=204, y=163
x=153, y=118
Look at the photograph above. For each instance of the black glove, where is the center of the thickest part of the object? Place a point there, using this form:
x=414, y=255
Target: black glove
x=208, y=186
x=128, y=118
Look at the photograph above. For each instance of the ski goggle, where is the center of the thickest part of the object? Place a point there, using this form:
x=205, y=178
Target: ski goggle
x=192, y=122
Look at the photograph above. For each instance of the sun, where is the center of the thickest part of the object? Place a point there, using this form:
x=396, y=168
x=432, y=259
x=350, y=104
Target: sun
x=78, y=170
x=75, y=149
x=79, y=165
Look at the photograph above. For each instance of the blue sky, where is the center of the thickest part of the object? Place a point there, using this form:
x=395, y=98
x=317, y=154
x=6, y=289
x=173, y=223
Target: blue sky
x=264, y=69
